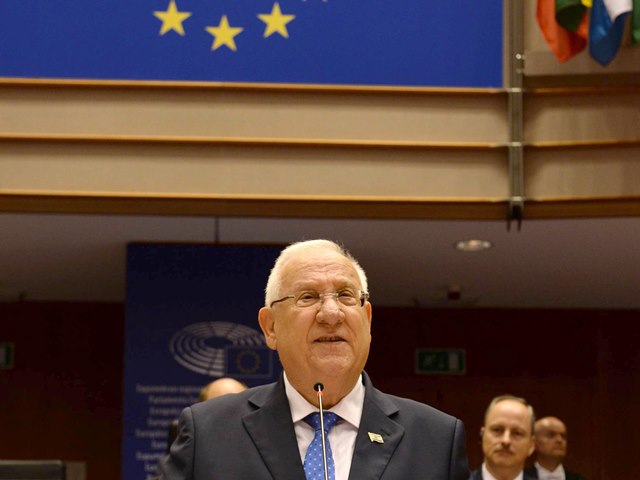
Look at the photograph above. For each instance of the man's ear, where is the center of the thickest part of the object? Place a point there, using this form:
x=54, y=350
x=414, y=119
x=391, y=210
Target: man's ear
x=368, y=310
x=533, y=446
x=267, y=324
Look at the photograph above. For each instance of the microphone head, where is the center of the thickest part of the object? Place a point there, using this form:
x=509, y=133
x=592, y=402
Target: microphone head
x=318, y=387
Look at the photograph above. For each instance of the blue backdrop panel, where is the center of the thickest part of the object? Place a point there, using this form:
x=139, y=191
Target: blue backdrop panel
x=374, y=42
x=191, y=316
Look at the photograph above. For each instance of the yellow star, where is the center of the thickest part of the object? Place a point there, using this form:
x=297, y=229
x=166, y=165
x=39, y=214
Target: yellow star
x=276, y=21
x=172, y=19
x=224, y=34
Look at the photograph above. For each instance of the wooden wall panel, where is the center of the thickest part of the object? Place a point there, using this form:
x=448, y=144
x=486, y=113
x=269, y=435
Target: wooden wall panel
x=278, y=171
x=560, y=360
x=583, y=172
x=403, y=115
x=63, y=398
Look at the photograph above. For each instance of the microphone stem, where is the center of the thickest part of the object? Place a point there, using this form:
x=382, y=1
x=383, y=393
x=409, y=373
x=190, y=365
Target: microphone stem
x=324, y=446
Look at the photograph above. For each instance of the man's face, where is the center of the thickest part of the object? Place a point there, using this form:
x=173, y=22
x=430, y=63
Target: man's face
x=507, y=439
x=551, y=439
x=324, y=341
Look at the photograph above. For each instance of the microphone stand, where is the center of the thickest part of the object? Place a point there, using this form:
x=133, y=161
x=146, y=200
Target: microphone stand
x=318, y=387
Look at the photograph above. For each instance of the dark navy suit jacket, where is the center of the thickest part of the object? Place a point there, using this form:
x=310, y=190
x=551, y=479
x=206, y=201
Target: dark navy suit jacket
x=250, y=435
x=568, y=475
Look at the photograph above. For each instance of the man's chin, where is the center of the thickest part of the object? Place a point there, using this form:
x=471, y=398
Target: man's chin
x=503, y=459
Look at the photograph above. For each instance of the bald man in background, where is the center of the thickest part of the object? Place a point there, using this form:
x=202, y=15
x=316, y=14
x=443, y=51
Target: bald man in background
x=221, y=386
x=551, y=449
x=217, y=388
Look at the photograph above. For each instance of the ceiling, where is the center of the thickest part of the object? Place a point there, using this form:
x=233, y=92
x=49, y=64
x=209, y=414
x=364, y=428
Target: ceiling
x=577, y=263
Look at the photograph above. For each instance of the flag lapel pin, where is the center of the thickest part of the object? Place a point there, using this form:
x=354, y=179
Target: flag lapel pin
x=375, y=437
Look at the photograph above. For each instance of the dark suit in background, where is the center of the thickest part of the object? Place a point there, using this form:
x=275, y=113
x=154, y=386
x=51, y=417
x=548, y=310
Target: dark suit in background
x=533, y=473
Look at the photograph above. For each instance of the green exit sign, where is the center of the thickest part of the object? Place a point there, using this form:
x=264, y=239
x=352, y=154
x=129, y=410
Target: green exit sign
x=6, y=355
x=441, y=361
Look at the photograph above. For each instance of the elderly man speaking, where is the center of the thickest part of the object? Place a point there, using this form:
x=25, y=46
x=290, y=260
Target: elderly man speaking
x=317, y=315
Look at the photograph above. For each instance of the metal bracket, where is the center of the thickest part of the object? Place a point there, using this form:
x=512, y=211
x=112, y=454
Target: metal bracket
x=516, y=65
x=515, y=212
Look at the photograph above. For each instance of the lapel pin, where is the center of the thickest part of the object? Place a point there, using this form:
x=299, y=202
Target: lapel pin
x=375, y=437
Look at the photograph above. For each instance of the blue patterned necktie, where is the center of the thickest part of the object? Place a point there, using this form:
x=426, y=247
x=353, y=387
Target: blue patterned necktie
x=313, y=462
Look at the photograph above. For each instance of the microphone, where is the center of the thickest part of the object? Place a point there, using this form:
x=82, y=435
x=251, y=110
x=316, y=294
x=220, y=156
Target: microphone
x=319, y=387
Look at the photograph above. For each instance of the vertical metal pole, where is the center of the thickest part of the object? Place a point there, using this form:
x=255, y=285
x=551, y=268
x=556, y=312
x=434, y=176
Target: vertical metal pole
x=515, y=23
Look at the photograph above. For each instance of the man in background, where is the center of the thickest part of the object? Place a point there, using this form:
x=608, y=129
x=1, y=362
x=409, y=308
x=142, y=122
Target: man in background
x=221, y=386
x=507, y=439
x=551, y=449
x=216, y=388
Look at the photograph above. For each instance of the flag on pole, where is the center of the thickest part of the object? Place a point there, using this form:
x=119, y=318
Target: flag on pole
x=606, y=28
x=635, y=22
x=563, y=43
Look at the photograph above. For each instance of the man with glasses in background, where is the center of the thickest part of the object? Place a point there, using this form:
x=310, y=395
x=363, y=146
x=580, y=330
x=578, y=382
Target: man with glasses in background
x=317, y=315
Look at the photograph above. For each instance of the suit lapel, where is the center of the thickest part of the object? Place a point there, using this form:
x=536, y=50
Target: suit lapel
x=272, y=432
x=370, y=457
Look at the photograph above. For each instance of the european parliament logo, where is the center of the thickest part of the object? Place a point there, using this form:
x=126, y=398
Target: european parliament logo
x=245, y=362
x=218, y=349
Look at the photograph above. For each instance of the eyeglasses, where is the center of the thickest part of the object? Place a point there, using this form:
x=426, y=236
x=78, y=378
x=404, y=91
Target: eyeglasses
x=348, y=298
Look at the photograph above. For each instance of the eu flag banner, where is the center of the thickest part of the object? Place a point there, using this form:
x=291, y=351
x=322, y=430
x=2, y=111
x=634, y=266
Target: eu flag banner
x=191, y=317
x=455, y=43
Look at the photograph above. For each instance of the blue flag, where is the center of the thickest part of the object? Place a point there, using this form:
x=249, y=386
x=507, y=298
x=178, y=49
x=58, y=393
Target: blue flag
x=605, y=33
x=401, y=43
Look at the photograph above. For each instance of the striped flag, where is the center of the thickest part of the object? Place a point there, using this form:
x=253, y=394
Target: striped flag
x=635, y=22
x=563, y=43
x=606, y=28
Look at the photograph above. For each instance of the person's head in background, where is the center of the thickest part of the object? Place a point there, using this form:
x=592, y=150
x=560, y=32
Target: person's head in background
x=220, y=387
x=507, y=436
x=551, y=442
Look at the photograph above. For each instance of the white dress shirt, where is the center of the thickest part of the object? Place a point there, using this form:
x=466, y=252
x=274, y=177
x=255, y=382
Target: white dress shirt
x=342, y=437
x=487, y=476
x=544, y=474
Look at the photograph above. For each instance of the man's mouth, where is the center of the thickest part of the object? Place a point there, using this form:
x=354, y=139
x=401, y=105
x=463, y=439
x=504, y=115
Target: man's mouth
x=329, y=339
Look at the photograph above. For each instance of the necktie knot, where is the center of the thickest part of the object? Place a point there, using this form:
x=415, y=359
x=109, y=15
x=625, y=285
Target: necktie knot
x=330, y=419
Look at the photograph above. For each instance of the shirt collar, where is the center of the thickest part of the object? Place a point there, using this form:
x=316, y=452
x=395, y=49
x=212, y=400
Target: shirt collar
x=349, y=408
x=486, y=475
x=543, y=473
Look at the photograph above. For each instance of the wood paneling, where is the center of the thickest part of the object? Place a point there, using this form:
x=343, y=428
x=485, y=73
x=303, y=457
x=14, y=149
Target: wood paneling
x=63, y=398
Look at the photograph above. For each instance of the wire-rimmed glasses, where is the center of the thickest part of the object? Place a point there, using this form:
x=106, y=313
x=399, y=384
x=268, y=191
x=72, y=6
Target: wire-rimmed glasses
x=346, y=297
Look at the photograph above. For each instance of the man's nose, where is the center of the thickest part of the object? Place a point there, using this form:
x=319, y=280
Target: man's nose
x=329, y=309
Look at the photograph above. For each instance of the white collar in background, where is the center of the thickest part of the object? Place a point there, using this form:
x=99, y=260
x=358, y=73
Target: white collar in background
x=544, y=474
x=487, y=476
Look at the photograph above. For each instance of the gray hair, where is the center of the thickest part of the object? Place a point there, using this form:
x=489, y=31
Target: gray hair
x=502, y=398
x=274, y=283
